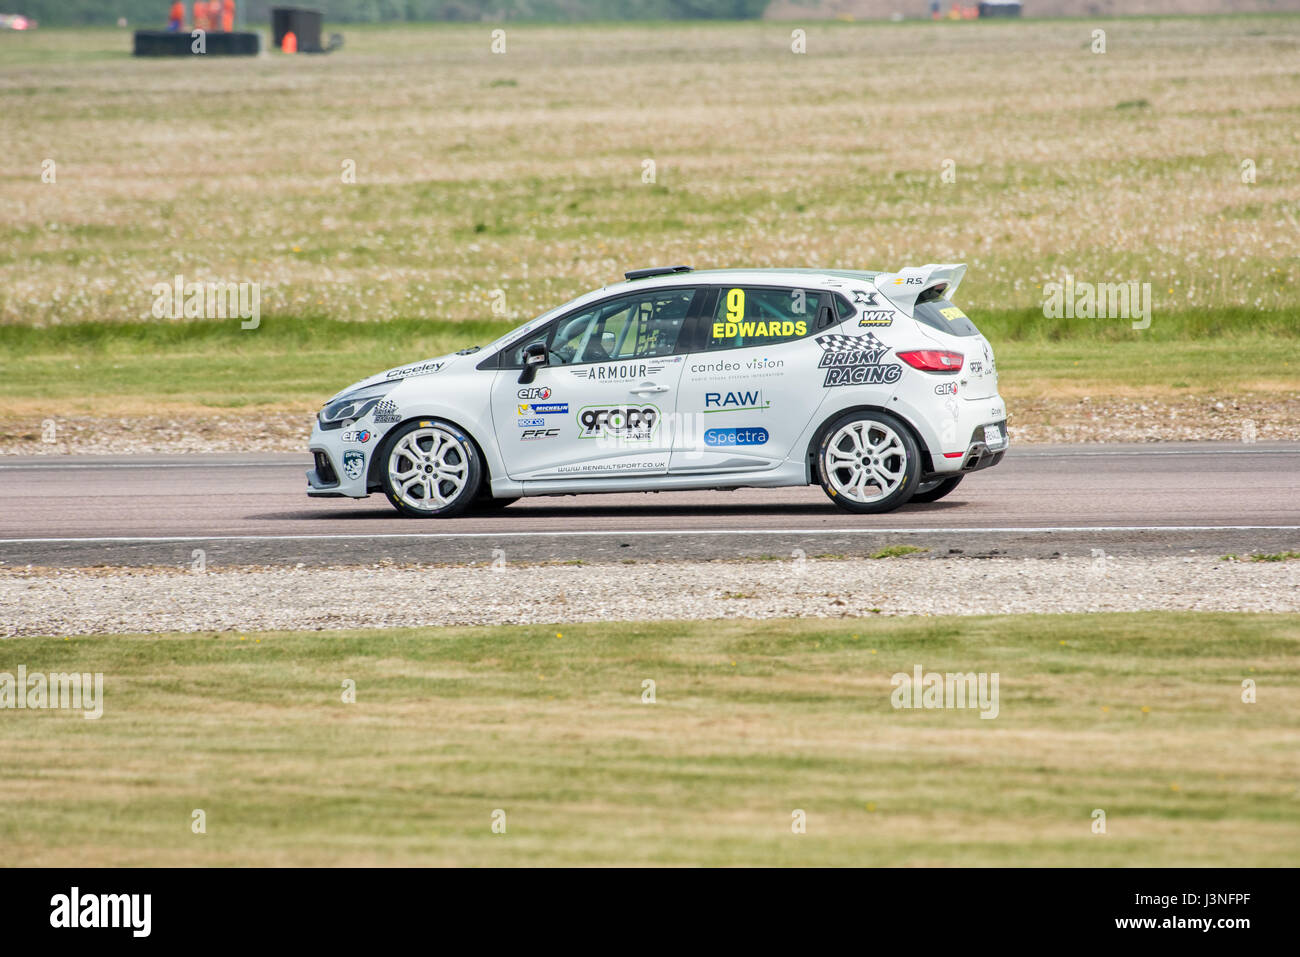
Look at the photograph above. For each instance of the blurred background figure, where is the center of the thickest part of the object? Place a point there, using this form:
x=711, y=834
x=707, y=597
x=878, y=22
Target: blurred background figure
x=176, y=19
x=934, y=10
x=228, y=15
x=202, y=19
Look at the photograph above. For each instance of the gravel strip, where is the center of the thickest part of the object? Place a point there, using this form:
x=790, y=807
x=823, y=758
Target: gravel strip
x=113, y=600
x=1182, y=419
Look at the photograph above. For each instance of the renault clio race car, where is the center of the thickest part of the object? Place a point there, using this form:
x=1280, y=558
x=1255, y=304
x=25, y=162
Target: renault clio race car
x=871, y=384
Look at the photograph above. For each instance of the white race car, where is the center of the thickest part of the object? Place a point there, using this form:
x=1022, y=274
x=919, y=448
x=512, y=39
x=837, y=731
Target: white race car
x=873, y=385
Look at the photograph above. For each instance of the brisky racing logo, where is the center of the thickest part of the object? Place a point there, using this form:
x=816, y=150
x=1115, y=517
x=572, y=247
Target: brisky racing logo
x=626, y=423
x=386, y=412
x=855, y=360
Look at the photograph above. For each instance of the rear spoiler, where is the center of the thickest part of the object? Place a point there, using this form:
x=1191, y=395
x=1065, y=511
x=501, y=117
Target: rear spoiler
x=902, y=288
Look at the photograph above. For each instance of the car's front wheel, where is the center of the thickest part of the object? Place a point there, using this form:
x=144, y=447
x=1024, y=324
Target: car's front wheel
x=868, y=462
x=431, y=470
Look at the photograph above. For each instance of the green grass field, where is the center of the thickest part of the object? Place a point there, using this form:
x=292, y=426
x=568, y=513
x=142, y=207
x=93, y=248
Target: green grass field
x=295, y=363
x=525, y=172
x=1139, y=715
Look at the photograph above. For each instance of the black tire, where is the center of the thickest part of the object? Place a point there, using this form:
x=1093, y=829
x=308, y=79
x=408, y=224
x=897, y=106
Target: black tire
x=453, y=468
x=875, y=472
x=487, y=503
x=935, y=489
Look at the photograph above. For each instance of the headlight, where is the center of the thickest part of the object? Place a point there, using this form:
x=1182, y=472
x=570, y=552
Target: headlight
x=352, y=406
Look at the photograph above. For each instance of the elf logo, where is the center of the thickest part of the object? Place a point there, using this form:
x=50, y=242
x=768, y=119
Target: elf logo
x=132, y=911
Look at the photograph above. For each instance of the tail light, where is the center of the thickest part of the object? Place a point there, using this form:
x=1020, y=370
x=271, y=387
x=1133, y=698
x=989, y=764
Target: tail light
x=933, y=360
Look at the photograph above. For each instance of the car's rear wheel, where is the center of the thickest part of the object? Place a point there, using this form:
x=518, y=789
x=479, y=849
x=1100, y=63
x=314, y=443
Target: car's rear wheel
x=432, y=470
x=868, y=462
x=936, y=489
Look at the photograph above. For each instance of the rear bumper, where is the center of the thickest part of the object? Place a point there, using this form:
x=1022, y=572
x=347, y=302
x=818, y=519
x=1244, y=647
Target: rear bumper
x=978, y=455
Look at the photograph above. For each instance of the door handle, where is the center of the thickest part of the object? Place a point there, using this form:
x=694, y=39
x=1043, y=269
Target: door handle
x=646, y=389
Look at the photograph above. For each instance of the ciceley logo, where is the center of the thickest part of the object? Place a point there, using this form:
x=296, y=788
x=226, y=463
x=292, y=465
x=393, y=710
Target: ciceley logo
x=131, y=911
x=420, y=368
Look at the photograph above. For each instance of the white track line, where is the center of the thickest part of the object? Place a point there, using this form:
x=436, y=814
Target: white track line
x=668, y=532
x=43, y=466
x=306, y=462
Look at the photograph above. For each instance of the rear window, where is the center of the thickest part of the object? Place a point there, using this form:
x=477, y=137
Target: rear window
x=943, y=315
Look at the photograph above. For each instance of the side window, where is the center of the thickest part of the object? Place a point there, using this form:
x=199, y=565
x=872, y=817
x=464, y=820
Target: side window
x=629, y=327
x=756, y=316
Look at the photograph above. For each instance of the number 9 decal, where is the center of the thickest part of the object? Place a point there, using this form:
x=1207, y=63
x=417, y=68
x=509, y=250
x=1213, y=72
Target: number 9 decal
x=735, y=304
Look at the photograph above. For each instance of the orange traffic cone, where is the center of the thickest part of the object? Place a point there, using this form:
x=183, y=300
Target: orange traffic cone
x=290, y=42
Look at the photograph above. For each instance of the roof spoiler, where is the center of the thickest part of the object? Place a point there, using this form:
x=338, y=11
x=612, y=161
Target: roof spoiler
x=654, y=271
x=904, y=287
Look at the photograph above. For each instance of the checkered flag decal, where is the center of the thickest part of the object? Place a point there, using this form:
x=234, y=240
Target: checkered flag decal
x=863, y=343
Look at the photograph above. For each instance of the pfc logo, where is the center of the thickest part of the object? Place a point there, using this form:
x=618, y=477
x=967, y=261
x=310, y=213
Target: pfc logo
x=631, y=422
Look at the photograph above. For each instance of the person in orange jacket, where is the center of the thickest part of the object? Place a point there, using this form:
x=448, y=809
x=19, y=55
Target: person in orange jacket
x=228, y=15
x=201, y=19
x=176, y=19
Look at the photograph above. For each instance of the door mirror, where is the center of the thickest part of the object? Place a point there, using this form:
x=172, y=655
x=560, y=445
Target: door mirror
x=534, y=358
x=825, y=316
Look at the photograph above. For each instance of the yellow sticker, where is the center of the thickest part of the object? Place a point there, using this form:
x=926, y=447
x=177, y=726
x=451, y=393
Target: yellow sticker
x=759, y=329
x=951, y=313
x=736, y=304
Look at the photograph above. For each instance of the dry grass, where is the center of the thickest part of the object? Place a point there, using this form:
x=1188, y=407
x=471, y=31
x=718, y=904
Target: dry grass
x=523, y=171
x=1139, y=715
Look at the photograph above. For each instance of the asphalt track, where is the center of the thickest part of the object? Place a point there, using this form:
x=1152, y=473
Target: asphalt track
x=1041, y=501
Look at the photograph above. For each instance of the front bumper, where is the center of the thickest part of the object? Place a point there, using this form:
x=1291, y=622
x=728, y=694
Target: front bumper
x=339, y=468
